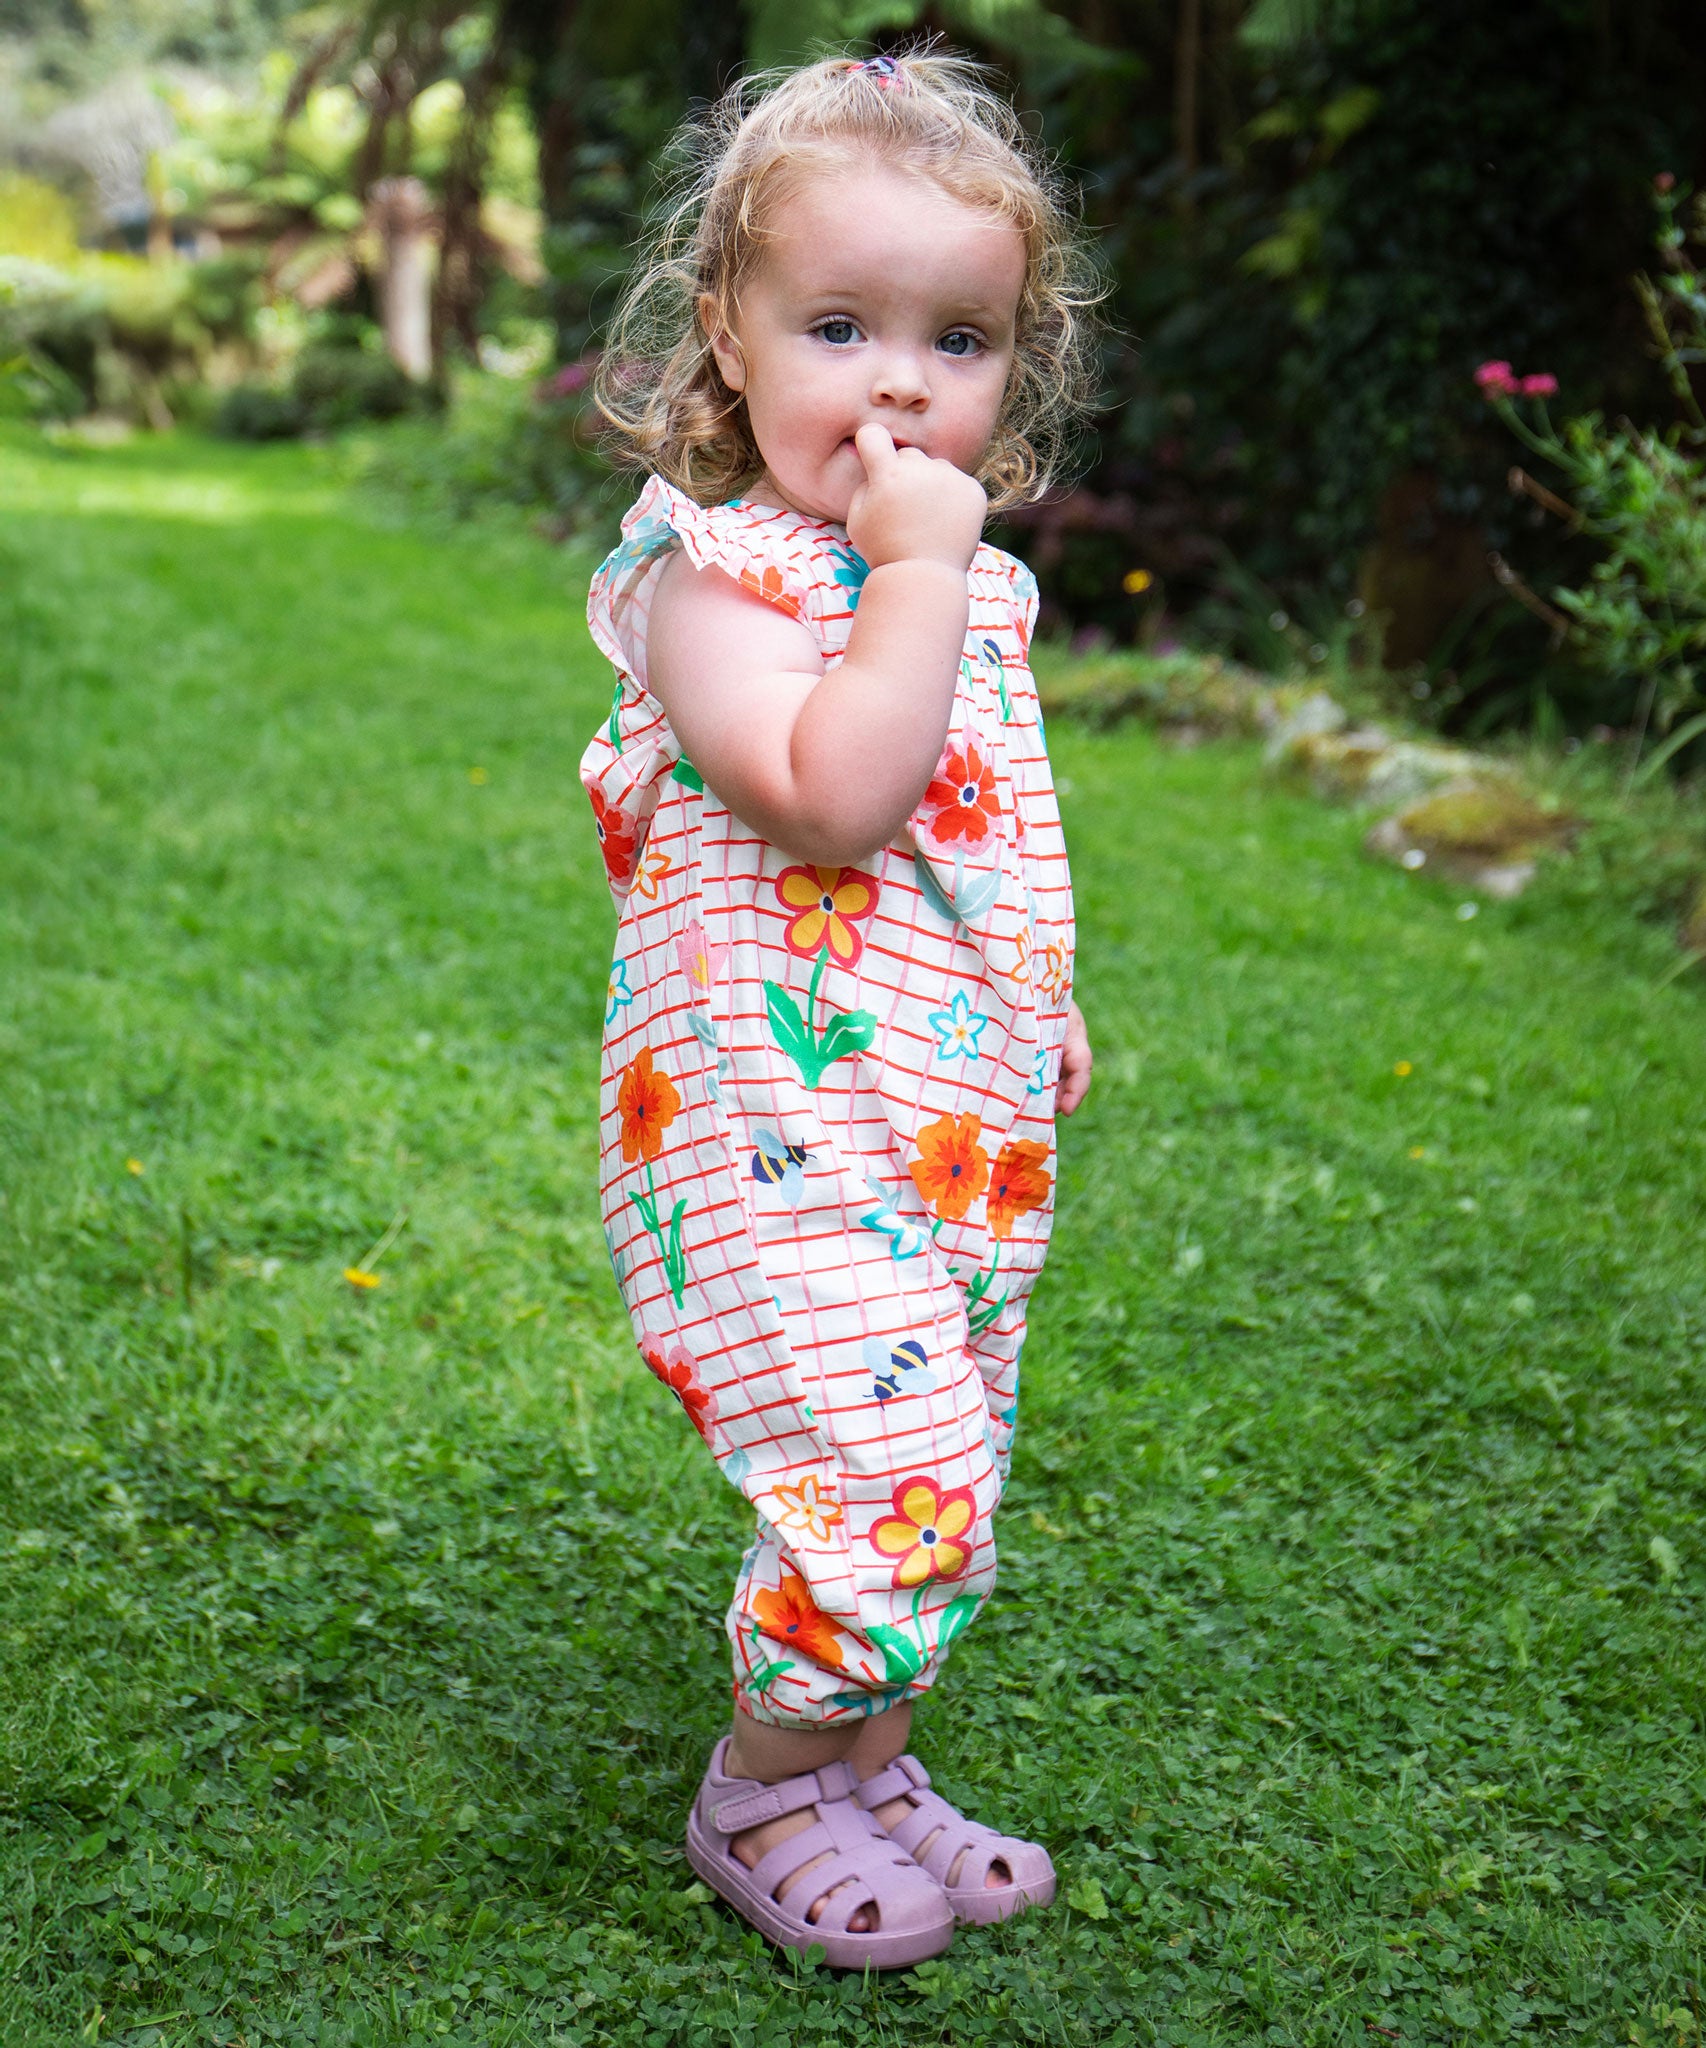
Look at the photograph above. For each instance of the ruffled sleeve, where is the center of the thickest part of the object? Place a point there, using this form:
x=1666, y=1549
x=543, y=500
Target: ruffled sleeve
x=635, y=756
x=767, y=551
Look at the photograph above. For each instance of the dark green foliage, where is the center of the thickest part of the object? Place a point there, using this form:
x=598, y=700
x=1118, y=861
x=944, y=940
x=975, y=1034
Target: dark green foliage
x=334, y=385
x=1388, y=194
x=359, y=1652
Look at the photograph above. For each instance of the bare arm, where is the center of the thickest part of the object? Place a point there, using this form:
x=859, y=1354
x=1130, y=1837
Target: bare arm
x=1075, y=1064
x=828, y=767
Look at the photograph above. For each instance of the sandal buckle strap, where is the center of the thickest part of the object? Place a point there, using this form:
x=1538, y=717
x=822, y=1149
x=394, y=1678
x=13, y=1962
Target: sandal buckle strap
x=752, y=1808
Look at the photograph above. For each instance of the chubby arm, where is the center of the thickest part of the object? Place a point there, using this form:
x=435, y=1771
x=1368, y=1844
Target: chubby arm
x=828, y=766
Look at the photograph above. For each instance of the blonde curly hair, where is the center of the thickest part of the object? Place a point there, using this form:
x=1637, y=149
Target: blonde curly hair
x=658, y=385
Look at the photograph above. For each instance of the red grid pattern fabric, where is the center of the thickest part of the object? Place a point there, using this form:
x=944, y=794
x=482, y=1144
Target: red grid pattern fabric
x=826, y=1124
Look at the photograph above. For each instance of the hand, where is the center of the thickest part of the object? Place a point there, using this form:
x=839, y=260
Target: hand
x=1075, y=1064
x=913, y=506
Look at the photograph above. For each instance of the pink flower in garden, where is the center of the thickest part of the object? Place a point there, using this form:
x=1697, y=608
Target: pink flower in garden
x=1542, y=385
x=567, y=382
x=1496, y=380
x=1665, y=182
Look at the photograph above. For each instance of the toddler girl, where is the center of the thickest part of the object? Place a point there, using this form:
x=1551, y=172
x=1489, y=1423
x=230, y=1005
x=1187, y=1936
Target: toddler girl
x=839, y=1022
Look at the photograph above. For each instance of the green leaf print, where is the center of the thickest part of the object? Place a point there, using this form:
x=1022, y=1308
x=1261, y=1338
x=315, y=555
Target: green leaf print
x=787, y=1026
x=766, y=1676
x=902, y=1659
x=687, y=775
x=969, y=899
x=955, y=1616
x=847, y=1031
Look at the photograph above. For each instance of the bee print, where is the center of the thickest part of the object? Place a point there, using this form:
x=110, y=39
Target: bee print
x=991, y=651
x=897, y=1369
x=775, y=1165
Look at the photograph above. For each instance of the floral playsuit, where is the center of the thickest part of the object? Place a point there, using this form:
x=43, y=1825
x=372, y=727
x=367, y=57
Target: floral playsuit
x=826, y=1123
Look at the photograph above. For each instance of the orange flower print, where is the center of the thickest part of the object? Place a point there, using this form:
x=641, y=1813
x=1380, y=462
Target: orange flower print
x=809, y=1507
x=615, y=838
x=1022, y=954
x=963, y=797
x=830, y=903
x=769, y=587
x=680, y=1374
x=651, y=873
x=952, y=1168
x=790, y=1617
x=1019, y=1183
x=1055, y=976
x=929, y=1532
x=648, y=1104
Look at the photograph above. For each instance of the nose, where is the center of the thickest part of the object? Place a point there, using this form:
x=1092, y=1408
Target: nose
x=900, y=378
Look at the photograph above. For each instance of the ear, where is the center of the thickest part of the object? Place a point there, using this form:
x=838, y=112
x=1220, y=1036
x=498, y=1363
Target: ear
x=725, y=349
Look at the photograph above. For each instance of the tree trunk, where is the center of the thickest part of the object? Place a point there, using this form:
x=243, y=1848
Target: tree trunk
x=402, y=213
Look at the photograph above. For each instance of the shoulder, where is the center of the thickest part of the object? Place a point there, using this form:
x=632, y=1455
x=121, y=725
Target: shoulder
x=1003, y=590
x=1004, y=572
x=703, y=615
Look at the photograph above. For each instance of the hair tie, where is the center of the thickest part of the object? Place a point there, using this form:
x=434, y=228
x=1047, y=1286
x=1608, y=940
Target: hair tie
x=883, y=69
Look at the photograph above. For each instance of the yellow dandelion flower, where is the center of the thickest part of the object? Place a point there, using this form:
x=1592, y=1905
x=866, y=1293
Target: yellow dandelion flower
x=358, y=1276
x=1418, y=1151
x=1403, y=1070
x=478, y=776
x=1136, y=581
x=134, y=1166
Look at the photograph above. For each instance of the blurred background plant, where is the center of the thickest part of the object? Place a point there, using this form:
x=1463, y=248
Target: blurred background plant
x=1317, y=217
x=1638, y=618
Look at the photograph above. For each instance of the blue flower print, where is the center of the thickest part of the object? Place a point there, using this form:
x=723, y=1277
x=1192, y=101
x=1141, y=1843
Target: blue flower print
x=618, y=995
x=957, y=1029
x=736, y=1465
x=1038, y=1083
x=906, y=1239
x=898, y=1369
x=849, y=570
x=647, y=537
x=704, y=1029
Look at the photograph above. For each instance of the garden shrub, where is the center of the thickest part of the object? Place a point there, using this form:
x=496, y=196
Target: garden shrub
x=335, y=384
x=506, y=443
x=1638, y=618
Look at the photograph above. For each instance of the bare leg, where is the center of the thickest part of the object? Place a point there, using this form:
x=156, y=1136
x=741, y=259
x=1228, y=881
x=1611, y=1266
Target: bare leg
x=881, y=1738
x=756, y=1750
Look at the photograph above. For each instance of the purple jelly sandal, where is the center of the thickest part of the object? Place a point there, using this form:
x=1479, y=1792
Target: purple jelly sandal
x=866, y=1868
x=973, y=1900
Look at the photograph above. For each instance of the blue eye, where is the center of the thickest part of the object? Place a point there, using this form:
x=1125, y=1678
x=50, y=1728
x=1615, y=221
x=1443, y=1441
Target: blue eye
x=959, y=343
x=838, y=333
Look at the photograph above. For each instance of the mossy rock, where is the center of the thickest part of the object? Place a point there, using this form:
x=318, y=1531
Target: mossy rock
x=1195, y=693
x=1368, y=766
x=1486, y=834
x=1490, y=818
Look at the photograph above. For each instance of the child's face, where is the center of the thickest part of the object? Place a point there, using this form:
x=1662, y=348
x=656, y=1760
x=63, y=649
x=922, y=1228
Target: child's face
x=879, y=298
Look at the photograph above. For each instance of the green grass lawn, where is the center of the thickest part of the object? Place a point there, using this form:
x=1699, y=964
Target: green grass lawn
x=361, y=1650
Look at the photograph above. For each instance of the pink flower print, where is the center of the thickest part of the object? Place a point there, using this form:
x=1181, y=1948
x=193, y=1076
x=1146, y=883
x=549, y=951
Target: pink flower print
x=701, y=962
